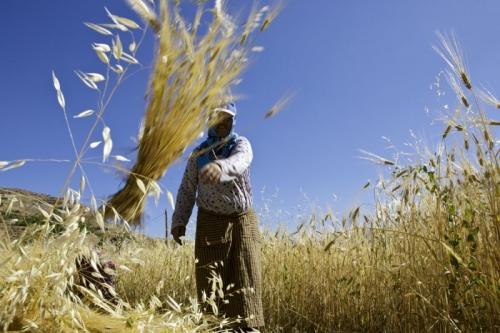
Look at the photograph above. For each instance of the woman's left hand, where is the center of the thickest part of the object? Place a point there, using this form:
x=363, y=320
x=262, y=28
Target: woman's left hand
x=210, y=173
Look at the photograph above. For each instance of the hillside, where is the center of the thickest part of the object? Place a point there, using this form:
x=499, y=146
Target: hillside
x=24, y=211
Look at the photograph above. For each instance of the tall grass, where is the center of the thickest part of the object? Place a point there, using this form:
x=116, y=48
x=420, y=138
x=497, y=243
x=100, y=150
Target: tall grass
x=426, y=259
x=194, y=69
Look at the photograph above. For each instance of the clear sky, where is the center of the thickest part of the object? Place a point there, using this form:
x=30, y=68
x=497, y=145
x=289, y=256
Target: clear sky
x=361, y=71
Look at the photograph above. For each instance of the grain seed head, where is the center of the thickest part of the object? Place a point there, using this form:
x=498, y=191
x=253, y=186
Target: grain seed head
x=272, y=14
x=488, y=97
x=278, y=106
x=452, y=81
x=453, y=55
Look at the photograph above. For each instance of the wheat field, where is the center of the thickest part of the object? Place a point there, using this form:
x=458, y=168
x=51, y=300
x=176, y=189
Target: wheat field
x=426, y=258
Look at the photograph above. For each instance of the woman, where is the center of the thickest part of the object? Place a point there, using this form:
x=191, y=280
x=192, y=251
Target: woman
x=217, y=179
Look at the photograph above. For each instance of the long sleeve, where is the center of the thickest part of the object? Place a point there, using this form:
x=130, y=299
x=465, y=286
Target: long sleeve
x=233, y=194
x=186, y=195
x=239, y=161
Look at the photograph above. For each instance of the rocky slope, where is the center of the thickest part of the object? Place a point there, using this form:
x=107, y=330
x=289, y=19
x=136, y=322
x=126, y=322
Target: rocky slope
x=19, y=208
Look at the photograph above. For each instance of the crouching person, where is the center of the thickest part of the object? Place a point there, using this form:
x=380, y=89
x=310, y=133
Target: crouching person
x=101, y=275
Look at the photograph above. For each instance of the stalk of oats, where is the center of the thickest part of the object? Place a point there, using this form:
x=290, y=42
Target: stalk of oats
x=453, y=55
x=146, y=13
x=278, y=106
x=191, y=75
x=451, y=123
x=452, y=81
x=272, y=13
x=487, y=97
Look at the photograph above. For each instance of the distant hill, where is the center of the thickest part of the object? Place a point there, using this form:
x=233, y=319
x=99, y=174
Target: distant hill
x=24, y=211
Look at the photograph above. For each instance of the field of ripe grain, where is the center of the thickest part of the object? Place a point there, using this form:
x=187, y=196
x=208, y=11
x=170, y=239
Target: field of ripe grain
x=426, y=258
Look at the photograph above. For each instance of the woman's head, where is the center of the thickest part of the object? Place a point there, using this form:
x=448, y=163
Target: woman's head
x=221, y=137
x=223, y=120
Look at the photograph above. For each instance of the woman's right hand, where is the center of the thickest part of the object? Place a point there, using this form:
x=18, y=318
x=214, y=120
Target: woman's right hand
x=177, y=233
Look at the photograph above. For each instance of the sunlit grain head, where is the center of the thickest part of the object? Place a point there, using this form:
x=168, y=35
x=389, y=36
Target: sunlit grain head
x=452, y=52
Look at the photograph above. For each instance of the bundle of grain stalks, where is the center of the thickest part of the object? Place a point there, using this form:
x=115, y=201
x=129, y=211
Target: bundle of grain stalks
x=194, y=69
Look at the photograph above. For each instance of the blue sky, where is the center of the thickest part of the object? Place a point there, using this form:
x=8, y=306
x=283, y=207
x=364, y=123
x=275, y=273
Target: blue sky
x=361, y=71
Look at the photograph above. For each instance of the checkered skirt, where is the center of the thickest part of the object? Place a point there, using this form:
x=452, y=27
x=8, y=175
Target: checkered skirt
x=233, y=242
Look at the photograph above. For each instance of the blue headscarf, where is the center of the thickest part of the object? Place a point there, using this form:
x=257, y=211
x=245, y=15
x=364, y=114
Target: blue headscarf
x=218, y=149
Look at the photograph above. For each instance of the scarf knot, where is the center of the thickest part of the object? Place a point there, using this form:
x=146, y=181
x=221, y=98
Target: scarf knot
x=216, y=147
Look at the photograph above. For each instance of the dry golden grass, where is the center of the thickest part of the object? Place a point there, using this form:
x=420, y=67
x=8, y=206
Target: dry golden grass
x=193, y=73
x=426, y=259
